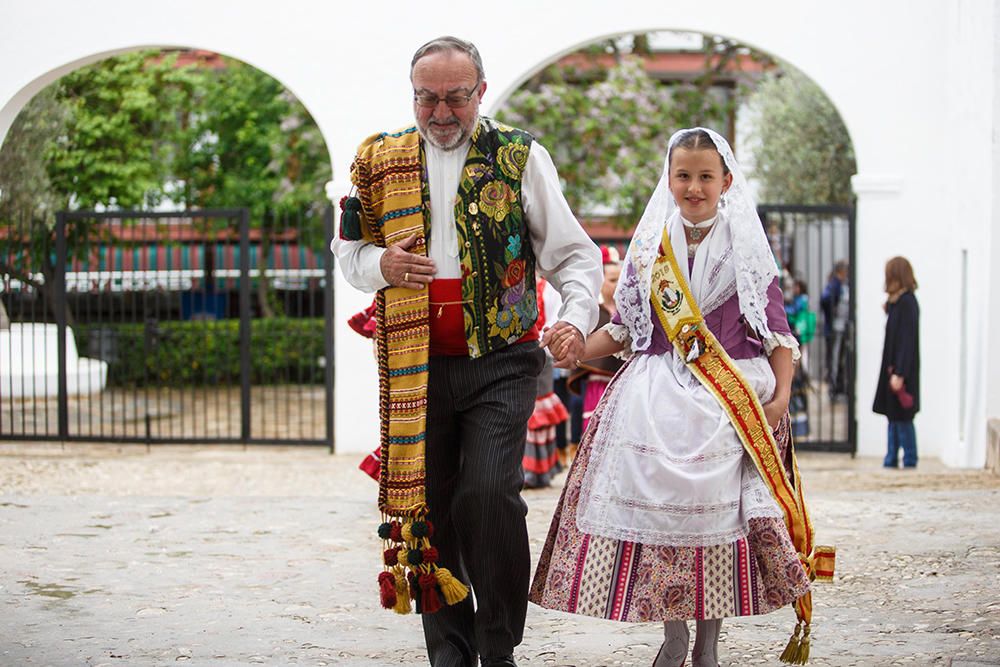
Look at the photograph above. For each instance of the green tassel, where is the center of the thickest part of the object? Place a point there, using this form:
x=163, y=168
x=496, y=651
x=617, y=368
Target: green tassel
x=791, y=653
x=350, y=219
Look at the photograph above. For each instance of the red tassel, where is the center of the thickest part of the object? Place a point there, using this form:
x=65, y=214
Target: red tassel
x=430, y=555
x=387, y=589
x=395, y=531
x=391, y=556
x=429, y=595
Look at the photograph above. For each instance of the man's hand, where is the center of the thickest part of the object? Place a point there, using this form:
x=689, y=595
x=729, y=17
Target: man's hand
x=565, y=342
x=402, y=268
x=895, y=382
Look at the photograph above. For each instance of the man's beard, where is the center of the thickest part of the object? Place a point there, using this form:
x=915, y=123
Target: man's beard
x=456, y=140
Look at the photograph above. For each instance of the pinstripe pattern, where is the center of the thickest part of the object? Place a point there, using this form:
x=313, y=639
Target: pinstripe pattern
x=477, y=416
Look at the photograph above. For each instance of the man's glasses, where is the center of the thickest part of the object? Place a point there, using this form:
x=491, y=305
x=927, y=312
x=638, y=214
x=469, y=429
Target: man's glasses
x=453, y=100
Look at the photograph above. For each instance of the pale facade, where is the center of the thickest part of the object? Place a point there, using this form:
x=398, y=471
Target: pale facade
x=917, y=83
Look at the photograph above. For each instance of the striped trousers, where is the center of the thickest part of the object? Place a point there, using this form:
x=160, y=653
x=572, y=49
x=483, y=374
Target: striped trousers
x=477, y=416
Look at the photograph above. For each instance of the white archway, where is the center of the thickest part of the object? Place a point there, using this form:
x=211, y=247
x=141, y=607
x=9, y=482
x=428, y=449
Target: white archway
x=901, y=73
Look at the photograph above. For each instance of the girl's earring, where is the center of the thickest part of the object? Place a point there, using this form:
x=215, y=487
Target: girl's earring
x=722, y=201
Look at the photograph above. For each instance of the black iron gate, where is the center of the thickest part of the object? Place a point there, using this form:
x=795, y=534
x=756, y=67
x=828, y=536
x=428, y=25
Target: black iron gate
x=810, y=243
x=192, y=327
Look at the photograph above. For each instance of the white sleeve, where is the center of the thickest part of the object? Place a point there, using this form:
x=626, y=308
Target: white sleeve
x=553, y=303
x=360, y=262
x=564, y=254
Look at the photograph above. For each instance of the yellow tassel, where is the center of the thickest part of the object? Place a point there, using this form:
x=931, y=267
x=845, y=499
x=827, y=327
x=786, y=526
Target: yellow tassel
x=791, y=653
x=407, y=532
x=402, y=593
x=803, y=656
x=452, y=589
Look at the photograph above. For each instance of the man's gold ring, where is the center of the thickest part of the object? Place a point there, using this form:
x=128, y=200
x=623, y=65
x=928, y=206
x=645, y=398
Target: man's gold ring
x=406, y=277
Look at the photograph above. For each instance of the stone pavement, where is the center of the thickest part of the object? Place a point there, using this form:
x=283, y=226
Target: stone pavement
x=110, y=555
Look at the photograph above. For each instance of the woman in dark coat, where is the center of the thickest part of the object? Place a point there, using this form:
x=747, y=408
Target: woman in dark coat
x=897, y=395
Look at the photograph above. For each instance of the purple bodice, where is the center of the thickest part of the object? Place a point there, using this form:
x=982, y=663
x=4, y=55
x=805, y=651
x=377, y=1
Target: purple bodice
x=728, y=325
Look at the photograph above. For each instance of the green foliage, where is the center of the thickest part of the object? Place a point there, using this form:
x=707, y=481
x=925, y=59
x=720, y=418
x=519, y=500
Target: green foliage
x=184, y=353
x=607, y=129
x=801, y=147
x=123, y=118
x=254, y=145
x=25, y=188
x=136, y=130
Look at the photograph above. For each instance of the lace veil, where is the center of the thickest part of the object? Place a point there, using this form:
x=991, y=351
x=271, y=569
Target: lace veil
x=754, y=263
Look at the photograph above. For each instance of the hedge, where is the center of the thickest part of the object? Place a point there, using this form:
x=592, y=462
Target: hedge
x=180, y=353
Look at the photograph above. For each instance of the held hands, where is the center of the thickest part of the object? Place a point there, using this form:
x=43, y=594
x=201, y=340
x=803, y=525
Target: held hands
x=402, y=268
x=895, y=383
x=565, y=342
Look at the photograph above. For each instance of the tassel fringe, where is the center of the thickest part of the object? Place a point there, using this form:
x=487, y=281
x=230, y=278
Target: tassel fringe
x=803, y=656
x=412, y=581
x=452, y=589
x=791, y=653
x=402, y=593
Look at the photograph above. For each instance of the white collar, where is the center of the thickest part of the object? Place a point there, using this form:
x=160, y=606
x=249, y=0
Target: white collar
x=704, y=224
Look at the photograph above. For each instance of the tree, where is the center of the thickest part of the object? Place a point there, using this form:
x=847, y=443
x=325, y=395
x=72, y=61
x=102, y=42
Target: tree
x=28, y=202
x=137, y=130
x=608, y=127
x=255, y=145
x=124, y=122
x=802, y=151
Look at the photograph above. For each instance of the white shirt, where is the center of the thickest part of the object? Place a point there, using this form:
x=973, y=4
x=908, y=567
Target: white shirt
x=564, y=254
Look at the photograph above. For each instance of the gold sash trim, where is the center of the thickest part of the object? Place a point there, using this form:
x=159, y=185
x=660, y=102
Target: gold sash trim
x=711, y=364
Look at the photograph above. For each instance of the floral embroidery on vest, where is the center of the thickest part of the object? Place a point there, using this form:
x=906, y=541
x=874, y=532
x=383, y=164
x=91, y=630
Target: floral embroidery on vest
x=498, y=265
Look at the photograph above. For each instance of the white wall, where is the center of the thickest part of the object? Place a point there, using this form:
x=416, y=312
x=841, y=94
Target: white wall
x=902, y=73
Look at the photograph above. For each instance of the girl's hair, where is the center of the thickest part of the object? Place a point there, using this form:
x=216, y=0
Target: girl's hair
x=899, y=275
x=695, y=140
x=841, y=265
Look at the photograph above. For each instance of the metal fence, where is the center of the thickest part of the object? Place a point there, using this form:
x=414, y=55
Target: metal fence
x=808, y=241
x=195, y=327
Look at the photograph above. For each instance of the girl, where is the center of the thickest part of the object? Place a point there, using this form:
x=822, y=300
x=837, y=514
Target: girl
x=897, y=395
x=664, y=516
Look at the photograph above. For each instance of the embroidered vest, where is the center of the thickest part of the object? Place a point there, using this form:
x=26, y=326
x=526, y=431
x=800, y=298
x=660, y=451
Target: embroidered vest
x=494, y=248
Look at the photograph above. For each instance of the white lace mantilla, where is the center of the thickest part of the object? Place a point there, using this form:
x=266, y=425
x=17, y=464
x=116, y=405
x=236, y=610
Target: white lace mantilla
x=753, y=264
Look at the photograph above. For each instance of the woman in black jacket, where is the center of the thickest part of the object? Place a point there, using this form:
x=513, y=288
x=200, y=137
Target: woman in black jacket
x=897, y=395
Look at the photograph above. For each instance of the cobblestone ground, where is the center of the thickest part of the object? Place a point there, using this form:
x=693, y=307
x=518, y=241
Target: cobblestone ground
x=219, y=556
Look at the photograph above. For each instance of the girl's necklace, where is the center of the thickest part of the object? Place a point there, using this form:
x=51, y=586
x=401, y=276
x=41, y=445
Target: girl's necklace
x=696, y=232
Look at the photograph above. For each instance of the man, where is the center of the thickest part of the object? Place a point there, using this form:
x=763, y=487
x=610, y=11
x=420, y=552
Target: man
x=452, y=220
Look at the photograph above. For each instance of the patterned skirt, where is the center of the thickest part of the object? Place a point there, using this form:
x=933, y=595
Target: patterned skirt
x=634, y=582
x=541, y=461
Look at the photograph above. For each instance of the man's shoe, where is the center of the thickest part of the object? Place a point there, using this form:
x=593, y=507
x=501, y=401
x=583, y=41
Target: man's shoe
x=505, y=661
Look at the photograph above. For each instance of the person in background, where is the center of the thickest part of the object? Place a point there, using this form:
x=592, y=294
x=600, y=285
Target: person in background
x=541, y=460
x=835, y=303
x=803, y=322
x=897, y=394
x=590, y=379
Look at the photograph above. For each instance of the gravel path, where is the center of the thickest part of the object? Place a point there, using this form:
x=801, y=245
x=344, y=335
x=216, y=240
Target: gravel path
x=112, y=555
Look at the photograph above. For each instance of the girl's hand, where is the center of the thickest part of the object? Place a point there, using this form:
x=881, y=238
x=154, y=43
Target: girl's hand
x=895, y=382
x=775, y=410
